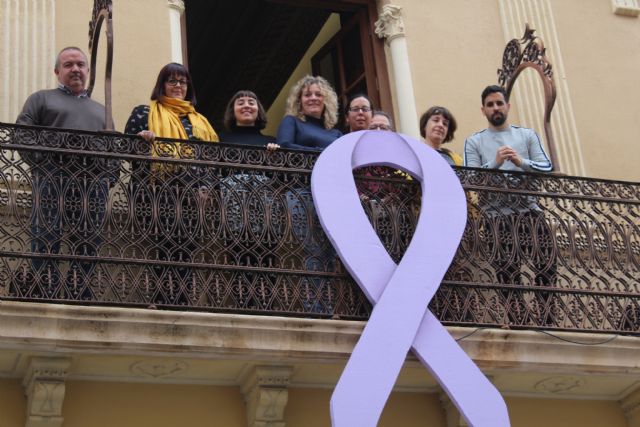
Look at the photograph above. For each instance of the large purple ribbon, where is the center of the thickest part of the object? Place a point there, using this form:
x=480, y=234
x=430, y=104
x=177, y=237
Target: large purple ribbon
x=400, y=319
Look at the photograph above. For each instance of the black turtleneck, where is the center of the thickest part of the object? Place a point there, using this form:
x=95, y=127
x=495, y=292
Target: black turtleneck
x=248, y=135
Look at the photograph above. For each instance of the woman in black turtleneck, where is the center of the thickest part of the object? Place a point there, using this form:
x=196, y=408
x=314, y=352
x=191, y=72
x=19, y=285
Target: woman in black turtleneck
x=244, y=118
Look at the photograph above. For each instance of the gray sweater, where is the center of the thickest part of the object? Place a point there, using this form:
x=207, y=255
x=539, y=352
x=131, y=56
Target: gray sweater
x=481, y=147
x=56, y=108
x=59, y=109
x=480, y=151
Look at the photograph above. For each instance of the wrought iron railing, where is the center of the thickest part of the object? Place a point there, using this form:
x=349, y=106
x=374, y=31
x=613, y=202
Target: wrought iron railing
x=93, y=218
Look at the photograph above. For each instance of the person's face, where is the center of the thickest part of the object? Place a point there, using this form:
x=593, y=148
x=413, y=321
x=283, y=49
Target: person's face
x=359, y=114
x=176, y=87
x=436, y=130
x=312, y=101
x=496, y=109
x=379, y=123
x=245, y=110
x=72, y=70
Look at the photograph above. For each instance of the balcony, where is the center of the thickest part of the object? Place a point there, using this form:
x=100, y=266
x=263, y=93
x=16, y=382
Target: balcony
x=205, y=265
x=99, y=219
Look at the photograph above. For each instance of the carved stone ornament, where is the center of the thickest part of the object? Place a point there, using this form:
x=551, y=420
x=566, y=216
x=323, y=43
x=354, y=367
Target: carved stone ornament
x=158, y=368
x=559, y=385
x=266, y=395
x=176, y=4
x=390, y=24
x=44, y=386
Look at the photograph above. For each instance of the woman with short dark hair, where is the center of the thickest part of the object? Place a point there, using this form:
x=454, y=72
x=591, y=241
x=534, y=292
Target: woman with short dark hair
x=437, y=126
x=244, y=118
x=358, y=112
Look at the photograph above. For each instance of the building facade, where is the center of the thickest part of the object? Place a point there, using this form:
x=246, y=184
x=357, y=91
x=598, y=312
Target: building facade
x=100, y=365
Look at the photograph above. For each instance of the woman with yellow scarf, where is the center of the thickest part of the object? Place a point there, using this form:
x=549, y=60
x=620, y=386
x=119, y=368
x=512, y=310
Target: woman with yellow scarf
x=171, y=113
x=167, y=197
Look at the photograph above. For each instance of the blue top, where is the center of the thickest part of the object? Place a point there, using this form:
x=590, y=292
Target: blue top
x=308, y=135
x=481, y=147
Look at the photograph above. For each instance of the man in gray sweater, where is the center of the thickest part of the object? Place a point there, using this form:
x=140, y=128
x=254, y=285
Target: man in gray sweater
x=69, y=191
x=517, y=230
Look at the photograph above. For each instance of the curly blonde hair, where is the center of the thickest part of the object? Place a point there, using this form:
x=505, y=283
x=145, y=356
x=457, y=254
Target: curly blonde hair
x=330, y=113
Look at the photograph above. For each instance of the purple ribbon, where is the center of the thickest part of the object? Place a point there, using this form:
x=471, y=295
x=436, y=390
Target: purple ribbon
x=400, y=319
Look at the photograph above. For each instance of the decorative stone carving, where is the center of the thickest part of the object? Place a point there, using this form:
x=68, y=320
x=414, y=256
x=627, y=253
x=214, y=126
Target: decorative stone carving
x=626, y=7
x=266, y=395
x=158, y=368
x=176, y=4
x=631, y=408
x=390, y=23
x=559, y=385
x=44, y=385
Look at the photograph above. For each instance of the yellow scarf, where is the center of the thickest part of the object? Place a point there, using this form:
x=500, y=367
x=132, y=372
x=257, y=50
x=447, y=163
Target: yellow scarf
x=457, y=160
x=164, y=121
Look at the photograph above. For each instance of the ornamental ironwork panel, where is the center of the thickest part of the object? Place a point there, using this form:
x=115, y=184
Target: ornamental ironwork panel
x=101, y=218
x=530, y=52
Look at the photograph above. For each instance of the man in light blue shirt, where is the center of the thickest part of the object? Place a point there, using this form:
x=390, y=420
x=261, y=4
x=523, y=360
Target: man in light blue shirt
x=518, y=234
x=501, y=145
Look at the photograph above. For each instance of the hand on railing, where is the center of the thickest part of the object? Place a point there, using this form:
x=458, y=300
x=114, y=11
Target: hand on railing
x=147, y=135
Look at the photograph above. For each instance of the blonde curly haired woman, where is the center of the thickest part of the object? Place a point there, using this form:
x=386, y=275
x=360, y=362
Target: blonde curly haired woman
x=312, y=113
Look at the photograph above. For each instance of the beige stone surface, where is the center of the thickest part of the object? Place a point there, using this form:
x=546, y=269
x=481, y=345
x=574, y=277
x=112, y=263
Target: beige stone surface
x=120, y=352
x=603, y=63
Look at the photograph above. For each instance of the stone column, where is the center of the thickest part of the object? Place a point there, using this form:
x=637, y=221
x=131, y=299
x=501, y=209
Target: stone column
x=527, y=95
x=390, y=26
x=44, y=386
x=176, y=9
x=266, y=395
x=27, y=52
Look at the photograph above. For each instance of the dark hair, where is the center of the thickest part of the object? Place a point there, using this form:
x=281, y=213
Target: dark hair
x=434, y=111
x=230, y=117
x=170, y=70
x=384, y=114
x=354, y=96
x=494, y=89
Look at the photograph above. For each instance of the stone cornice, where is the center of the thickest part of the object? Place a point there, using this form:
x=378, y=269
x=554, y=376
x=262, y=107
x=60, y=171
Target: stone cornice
x=64, y=330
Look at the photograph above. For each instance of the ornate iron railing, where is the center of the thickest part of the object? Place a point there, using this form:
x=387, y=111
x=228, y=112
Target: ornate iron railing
x=95, y=218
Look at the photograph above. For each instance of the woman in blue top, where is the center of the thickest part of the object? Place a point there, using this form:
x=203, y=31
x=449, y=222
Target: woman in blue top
x=312, y=112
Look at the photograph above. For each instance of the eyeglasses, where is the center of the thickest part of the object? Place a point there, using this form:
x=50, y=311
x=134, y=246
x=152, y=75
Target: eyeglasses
x=357, y=109
x=379, y=127
x=174, y=82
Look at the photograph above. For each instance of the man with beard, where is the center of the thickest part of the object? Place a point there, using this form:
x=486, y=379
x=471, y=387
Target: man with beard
x=69, y=191
x=517, y=231
x=504, y=146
